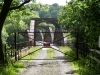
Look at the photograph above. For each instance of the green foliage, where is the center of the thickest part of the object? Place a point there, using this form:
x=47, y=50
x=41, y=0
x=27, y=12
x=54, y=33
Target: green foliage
x=14, y=68
x=84, y=67
x=69, y=53
x=33, y=54
x=42, y=24
x=81, y=66
x=30, y=13
x=19, y=20
x=18, y=65
x=48, y=11
x=54, y=14
x=9, y=60
x=9, y=70
x=55, y=5
x=4, y=35
x=83, y=17
x=13, y=27
x=50, y=53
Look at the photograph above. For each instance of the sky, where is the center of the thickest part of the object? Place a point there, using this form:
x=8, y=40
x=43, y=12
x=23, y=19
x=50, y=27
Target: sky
x=60, y=2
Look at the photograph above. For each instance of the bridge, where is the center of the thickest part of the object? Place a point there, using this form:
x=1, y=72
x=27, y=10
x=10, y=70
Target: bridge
x=35, y=37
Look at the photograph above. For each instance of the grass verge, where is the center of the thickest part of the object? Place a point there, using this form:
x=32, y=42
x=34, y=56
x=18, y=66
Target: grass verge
x=50, y=53
x=69, y=54
x=19, y=66
x=11, y=69
x=33, y=54
x=81, y=66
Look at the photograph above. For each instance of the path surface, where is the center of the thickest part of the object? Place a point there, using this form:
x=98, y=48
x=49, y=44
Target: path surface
x=49, y=67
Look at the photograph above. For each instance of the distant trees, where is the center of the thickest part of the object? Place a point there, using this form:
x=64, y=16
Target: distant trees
x=49, y=11
x=55, y=5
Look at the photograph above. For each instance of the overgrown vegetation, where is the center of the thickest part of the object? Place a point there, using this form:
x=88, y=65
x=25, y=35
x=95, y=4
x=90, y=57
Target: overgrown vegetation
x=50, y=53
x=18, y=66
x=12, y=69
x=81, y=18
x=33, y=53
x=68, y=52
x=83, y=66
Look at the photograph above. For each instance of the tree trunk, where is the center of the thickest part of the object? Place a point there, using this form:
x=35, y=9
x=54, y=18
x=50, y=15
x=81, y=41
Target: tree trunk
x=3, y=15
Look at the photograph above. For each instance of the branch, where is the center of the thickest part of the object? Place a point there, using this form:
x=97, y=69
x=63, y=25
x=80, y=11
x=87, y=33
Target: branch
x=16, y=7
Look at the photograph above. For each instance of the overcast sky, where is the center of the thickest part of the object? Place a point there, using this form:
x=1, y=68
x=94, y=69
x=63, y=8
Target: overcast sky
x=60, y=2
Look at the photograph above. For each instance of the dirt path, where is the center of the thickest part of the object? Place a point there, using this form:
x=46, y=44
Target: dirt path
x=65, y=67
x=34, y=67
x=49, y=67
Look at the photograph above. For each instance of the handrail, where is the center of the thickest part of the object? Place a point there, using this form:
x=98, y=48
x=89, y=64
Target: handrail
x=93, y=57
x=95, y=51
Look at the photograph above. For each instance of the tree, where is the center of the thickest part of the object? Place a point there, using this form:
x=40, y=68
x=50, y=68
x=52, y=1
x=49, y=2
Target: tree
x=4, y=35
x=55, y=5
x=54, y=14
x=48, y=11
x=83, y=16
x=8, y=5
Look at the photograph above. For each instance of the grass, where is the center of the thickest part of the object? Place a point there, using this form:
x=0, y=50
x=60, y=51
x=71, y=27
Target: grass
x=18, y=66
x=84, y=67
x=81, y=66
x=69, y=54
x=34, y=54
x=11, y=69
x=50, y=53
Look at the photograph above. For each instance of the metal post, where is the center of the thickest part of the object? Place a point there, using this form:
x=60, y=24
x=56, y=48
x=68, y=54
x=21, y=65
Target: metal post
x=77, y=56
x=34, y=38
x=5, y=55
x=15, y=47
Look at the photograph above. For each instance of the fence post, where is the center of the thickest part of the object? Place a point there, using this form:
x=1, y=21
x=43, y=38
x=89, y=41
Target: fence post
x=34, y=38
x=15, y=47
x=5, y=61
x=77, y=42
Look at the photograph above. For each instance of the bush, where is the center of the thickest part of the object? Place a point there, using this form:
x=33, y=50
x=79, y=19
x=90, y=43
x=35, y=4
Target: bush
x=18, y=65
x=83, y=66
x=9, y=70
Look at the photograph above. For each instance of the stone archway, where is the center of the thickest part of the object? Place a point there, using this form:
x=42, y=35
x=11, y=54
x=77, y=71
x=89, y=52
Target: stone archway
x=34, y=25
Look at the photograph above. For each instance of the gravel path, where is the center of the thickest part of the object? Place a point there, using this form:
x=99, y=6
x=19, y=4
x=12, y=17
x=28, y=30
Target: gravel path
x=64, y=64
x=49, y=67
x=34, y=67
